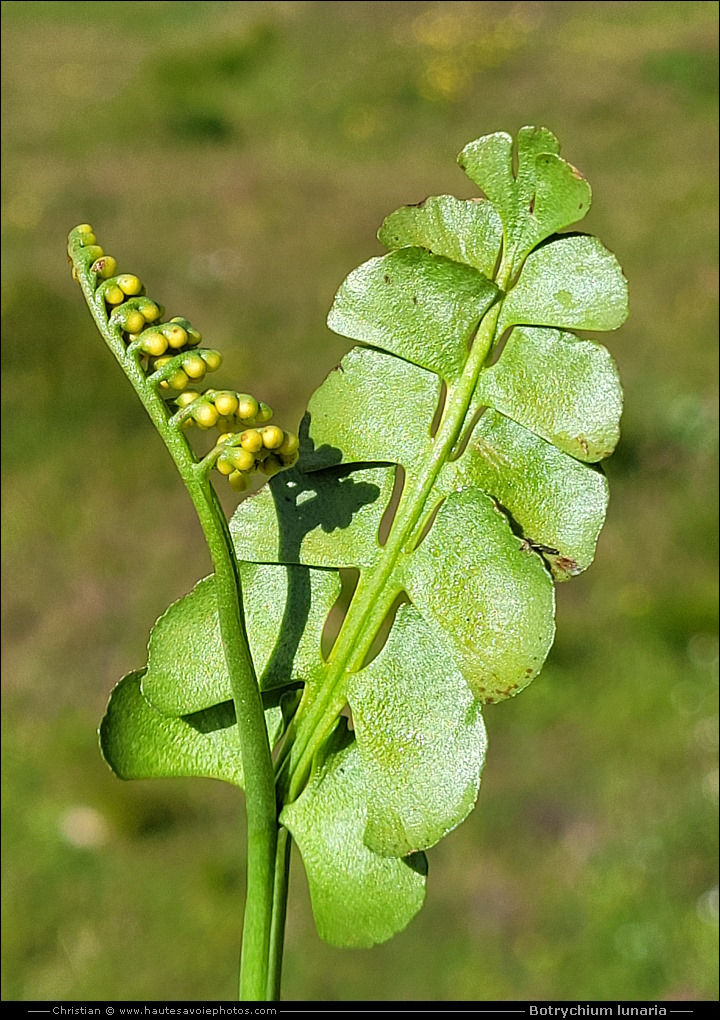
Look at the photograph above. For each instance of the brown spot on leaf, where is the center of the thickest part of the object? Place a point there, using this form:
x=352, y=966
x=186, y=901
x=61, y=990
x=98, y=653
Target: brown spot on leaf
x=414, y=299
x=567, y=565
x=386, y=278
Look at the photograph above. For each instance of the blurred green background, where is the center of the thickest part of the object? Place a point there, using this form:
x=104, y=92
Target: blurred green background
x=239, y=157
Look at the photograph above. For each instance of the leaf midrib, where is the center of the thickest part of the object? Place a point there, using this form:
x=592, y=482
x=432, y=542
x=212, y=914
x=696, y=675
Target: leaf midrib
x=376, y=592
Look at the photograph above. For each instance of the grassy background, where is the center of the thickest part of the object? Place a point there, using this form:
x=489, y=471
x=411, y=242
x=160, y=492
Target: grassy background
x=239, y=157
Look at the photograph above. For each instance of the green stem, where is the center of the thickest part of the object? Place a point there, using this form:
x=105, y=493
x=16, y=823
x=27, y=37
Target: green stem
x=280, y=897
x=252, y=733
x=378, y=588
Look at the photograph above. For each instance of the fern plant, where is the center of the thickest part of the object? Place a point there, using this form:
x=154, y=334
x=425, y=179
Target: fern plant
x=447, y=467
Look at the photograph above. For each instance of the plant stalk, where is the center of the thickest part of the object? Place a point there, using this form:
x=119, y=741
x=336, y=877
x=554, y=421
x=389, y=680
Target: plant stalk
x=280, y=898
x=252, y=733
